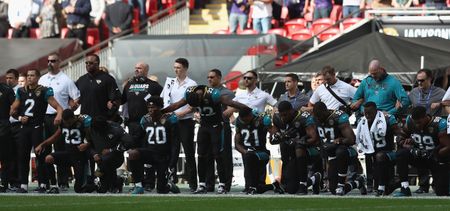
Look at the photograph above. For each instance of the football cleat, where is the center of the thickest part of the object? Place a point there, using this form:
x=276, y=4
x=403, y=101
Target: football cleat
x=64, y=188
x=302, y=190
x=221, y=189
x=40, y=190
x=173, y=188
x=277, y=188
x=362, y=185
x=53, y=190
x=137, y=190
x=403, y=192
x=251, y=191
x=3, y=189
x=317, y=180
x=421, y=190
x=379, y=193
x=21, y=190
x=201, y=190
x=340, y=190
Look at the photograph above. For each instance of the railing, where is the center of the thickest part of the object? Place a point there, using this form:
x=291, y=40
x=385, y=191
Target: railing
x=176, y=23
x=75, y=67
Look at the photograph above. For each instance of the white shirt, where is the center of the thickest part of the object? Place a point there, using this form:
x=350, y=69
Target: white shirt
x=257, y=99
x=342, y=89
x=351, y=2
x=174, y=91
x=261, y=10
x=19, y=11
x=98, y=7
x=63, y=88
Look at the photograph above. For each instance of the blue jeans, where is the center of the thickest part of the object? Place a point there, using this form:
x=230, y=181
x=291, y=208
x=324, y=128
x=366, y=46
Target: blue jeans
x=262, y=25
x=141, y=5
x=347, y=10
x=322, y=13
x=236, y=19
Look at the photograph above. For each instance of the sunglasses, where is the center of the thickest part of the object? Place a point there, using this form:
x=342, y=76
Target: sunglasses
x=248, y=78
x=89, y=63
x=52, y=61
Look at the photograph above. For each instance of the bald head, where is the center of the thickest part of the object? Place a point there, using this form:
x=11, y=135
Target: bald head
x=141, y=69
x=375, y=69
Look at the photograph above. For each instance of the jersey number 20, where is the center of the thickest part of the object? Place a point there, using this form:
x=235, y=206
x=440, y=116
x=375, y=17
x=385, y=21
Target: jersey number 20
x=158, y=132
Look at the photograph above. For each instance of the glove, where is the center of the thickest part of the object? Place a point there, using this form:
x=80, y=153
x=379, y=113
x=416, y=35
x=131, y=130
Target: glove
x=277, y=138
x=420, y=153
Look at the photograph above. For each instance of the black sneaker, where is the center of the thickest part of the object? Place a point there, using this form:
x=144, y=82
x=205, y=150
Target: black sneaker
x=88, y=188
x=379, y=193
x=64, y=188
x=221, y=189
x=369, y=189
x=53, y=190
x=173, y=188
x=245, y=190
x=404, y=192
x=421, y=190
x=362, y=185
x=340, y=190
x=302, y=190
x=317, y=180
x=21, y=190
x=148, y=188
x=3, y=189
x=40, y=190
x=251, y=191
x=192, y=189
x=201, y=190
x=277, y=188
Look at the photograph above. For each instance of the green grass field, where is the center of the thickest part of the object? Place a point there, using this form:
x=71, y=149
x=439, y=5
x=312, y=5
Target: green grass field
x=230, y=203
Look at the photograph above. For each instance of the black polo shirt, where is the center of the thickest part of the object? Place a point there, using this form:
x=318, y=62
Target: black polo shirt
x=96, y=90
x=6, y=100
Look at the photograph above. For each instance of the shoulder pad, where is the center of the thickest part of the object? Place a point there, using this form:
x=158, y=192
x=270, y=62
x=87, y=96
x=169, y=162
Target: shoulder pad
x=173, y=119
x=267, y=121
x=87, y=120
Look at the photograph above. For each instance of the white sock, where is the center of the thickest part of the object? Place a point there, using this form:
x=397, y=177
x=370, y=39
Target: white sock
x=43, y=185
x=303, y=183
x=139, y=184
x=381, y=187
x=24, y=186
x=222, y=184
x=405, y=184
x=202, y=184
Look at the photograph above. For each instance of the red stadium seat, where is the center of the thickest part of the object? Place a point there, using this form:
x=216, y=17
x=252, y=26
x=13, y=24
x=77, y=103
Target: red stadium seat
x=135, y=22
x=258, y=49
x=222, y=31
x=279, y=31
x=336, y=13
x=233, y=84
x=303, y=34
x=350, y=22
x=248, y=31
x=328, y=34
x=35, y=33
x=93, y=37
x=294, y=25
x=321, y=24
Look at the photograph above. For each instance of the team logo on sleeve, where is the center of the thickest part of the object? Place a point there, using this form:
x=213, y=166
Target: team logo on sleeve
x=38, y=93
x=163, y=120
x=431, y=129
x=256, y=123
x=110, y=136
x=99, y=81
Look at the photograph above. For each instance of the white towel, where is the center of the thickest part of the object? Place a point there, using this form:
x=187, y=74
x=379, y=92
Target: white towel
x=166, y=91
x=363, y=138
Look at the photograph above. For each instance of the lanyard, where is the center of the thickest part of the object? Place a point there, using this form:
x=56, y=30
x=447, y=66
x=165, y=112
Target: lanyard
x=427, y=100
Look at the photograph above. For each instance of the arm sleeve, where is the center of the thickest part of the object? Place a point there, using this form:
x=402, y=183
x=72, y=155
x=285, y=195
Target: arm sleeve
x=315, y=96
x=48, y=93
x=125, y=92
x=442, y=125
x=359, y=94
x=447, y=95
x=270, y=100
x=343, y=118
x=74, y=93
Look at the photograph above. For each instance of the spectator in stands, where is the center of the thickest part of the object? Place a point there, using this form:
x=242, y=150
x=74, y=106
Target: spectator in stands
x=438, y=4
x=49, y=19
x=77, y=18
x=321, y=8
x=36, y=7
x=401, y=3
x=296, y=8
x=4, y=25
x=293, y=94
x=118, y=16
x=98, y=8
x=381, y=88
x=329, y=92
x=351, y=7
x=381, y=4
x=19, y=15
x=262, y=15
x=140, y=4
x=238, y=15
